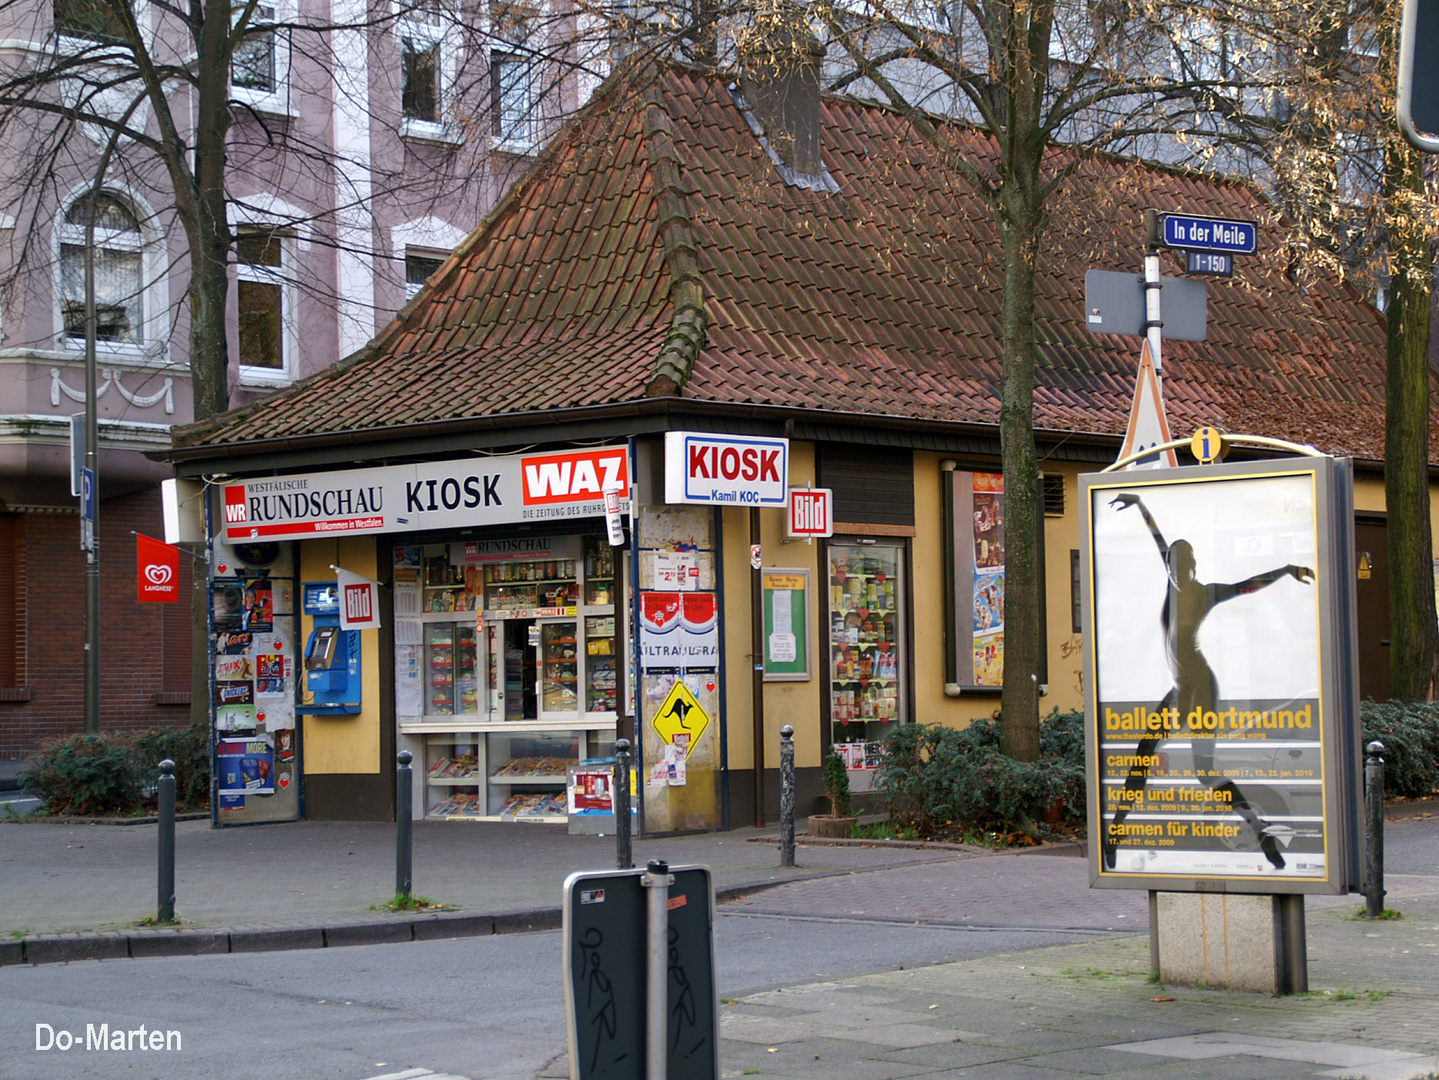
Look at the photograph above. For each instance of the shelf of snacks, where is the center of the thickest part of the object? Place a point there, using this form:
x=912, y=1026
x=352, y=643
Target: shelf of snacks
x=601, y=691
x=867, y=679
x=599, y=573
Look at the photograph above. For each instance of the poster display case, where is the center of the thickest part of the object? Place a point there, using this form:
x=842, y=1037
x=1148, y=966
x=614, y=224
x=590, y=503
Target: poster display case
x=867, y=661
x=521, y=686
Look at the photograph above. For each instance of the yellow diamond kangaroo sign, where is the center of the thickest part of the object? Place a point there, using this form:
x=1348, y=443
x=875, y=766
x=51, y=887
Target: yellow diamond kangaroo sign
x=681, y=714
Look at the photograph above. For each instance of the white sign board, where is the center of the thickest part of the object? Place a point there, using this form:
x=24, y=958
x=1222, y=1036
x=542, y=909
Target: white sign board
x=718, y=469
x=428, y=495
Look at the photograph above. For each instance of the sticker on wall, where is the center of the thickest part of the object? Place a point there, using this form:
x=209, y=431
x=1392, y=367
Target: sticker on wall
x=680, y=720
x=233, y=643
x=234, y=668
x=679, y=630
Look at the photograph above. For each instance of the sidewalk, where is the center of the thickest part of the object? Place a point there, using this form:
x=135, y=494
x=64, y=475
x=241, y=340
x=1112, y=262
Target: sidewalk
x=78, y=891
x=1073, y=1010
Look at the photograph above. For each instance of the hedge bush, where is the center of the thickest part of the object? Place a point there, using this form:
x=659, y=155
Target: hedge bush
x=944, y=781
x=114, y=773
x=1409, y=731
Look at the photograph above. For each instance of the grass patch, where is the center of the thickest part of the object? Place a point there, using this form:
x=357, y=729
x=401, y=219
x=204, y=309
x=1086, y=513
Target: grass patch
x=411, y=902
x=1343, y=993
x=151, y=920
x=1387, y=915
x=883, y=830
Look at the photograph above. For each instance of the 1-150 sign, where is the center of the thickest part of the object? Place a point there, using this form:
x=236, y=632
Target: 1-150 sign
x=438, y=494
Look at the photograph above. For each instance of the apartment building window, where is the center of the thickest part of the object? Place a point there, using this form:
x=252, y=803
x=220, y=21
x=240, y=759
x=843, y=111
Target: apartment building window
x=514, y=99
x=260, y=64
x=119, y=271
x=419, y=265
x=264, y=295
x=425, y=62
x=252, y=66
x=90, y=20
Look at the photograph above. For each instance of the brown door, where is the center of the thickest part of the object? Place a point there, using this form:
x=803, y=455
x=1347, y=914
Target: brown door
x=1372, y=593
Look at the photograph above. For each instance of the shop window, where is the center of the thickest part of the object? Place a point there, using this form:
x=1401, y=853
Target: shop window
x=263, y=292
x=118, y=271
x=419, y=266
x=868, y=655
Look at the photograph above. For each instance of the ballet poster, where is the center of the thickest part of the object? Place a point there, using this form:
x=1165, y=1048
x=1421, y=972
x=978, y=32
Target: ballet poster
x=1210, y=674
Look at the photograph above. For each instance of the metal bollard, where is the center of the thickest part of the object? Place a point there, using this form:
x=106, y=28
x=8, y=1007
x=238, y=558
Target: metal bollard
x=786, y=796
x=624, y=857
x=404, y=825
x=165, y=791
x=1374, y=830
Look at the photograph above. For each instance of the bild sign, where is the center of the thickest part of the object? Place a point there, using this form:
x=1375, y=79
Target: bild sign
x=743, y=470
x=435, y=494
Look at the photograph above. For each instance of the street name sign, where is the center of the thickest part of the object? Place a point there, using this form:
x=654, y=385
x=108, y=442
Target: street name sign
x=1213, y=263
x=1209, y=234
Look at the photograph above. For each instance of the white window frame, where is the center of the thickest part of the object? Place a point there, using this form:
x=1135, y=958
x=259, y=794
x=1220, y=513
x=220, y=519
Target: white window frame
x=413, y=288
x=429, y=23
x=153, y=294
x=276, y=100
x=284, y=277
x=524, y=138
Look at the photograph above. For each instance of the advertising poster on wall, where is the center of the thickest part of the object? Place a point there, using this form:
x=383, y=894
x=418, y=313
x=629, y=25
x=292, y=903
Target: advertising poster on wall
x=977, y=572
x=1210, y=708
x=679, y=630
x=257, y=754
x=246, y=766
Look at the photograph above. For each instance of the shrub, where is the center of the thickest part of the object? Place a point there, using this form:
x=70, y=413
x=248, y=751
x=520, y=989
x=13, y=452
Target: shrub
x=1409, y=731
x=114, y=773
x=85, y=774
x=189, y=748
x=836, y=784
x=943, y=781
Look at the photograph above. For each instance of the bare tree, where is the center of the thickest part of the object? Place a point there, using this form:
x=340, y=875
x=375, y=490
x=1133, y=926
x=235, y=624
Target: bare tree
x=297, y=120
x=1052, y=83
x=1356, y=197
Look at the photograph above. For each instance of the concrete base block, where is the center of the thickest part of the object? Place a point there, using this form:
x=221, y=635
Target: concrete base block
x=1233, y=942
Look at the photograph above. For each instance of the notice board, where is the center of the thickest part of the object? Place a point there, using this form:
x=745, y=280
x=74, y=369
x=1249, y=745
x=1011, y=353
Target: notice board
x=604, y=930
x=786, y=624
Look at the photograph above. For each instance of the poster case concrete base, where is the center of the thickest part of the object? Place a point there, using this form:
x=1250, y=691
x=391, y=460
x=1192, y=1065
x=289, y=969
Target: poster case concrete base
x=1245, y=942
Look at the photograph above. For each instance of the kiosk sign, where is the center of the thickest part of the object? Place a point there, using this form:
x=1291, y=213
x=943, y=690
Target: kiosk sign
x=719, y=469
x=1222, y=750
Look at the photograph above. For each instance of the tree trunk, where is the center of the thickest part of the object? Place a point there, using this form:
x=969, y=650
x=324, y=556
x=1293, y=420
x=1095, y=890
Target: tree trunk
x=1019, y=703
x=1412, y=622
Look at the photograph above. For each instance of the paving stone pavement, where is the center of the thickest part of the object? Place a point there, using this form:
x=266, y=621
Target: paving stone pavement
x=1076, y=1010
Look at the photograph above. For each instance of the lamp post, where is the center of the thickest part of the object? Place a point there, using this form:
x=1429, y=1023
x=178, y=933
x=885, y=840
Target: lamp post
x=90, y=478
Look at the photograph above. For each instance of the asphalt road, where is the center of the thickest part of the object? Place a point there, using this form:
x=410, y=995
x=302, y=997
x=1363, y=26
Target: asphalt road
x=489, y=1008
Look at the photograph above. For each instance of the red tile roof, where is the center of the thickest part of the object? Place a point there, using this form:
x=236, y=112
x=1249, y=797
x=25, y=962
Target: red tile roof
x=654, y=249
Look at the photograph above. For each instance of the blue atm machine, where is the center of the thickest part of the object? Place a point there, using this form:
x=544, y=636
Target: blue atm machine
x=332, y=655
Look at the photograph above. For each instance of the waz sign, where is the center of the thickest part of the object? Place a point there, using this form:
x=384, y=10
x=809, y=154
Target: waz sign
x=437, y=494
